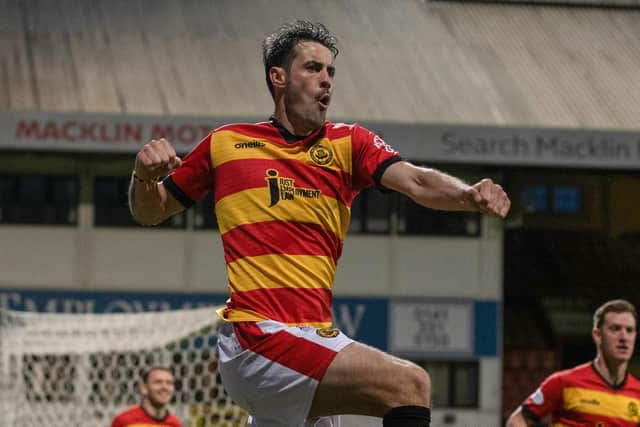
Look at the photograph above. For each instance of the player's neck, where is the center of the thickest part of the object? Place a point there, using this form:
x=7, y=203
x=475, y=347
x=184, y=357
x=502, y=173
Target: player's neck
x=613, y=372
x=152, y=411
x=292, y=122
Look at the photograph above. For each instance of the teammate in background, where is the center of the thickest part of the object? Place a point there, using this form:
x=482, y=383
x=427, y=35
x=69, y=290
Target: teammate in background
x=598, y=393
x=157, y=390
x=283, y=190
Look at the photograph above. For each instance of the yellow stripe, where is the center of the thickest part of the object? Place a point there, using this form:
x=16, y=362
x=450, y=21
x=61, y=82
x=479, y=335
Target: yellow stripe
x=223, y=150
x=252, y=316
x=252, y=206
x=246, y=315
x=342, y=153
x=602, y=403
x=279, y=271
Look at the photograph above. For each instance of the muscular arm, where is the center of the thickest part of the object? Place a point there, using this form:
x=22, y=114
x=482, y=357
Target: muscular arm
x=437, y=190
x=149, y=201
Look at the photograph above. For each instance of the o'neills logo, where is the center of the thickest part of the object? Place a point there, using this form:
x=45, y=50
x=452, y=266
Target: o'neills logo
x=249, y=144
x=321, y=155
x=281, y=188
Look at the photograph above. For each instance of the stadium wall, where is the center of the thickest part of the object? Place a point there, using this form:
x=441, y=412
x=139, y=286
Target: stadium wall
x=193, y=261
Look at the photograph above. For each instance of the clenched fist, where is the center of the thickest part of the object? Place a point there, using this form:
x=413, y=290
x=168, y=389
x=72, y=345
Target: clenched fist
x=156, y=160
x=488, y=198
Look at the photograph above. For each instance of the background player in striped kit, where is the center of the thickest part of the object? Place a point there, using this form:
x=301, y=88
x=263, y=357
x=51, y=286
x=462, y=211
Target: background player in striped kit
x=283, y=191
x=598, y=393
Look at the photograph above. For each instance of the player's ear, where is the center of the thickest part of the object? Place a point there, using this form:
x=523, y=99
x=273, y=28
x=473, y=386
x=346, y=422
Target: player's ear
x=142, y=387
x=596, y=333
x=278, y=77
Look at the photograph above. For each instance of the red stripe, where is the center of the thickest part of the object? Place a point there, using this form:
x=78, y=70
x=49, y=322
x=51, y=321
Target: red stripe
x=281, y=238
x=286, y=305
x=339, y=130
x=299, y=354
x=246, y=333
x=263, y=130
x=238, y=175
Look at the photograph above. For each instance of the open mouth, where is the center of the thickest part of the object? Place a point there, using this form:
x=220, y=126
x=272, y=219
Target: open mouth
x=324, y=101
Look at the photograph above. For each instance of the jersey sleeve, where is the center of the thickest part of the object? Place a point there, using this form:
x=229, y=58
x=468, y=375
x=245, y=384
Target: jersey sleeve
x=371, y=156
x=117, y=422
x=194, y=178
x=547, y=399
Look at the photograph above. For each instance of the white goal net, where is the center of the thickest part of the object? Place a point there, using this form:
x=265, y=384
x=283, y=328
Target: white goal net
x=66, y=370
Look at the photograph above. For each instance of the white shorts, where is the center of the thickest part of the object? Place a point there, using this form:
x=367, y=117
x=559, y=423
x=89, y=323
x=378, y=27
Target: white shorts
x=272, y=370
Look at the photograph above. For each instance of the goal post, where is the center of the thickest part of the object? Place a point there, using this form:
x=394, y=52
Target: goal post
x=63, y=370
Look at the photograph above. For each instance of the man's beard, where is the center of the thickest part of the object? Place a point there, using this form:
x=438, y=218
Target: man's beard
x=307, y=115
x=155, y=403
x=310, y=120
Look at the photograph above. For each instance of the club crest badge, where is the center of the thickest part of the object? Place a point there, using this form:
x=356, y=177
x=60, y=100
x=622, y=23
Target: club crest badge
x=321, y=155
x=328, y=332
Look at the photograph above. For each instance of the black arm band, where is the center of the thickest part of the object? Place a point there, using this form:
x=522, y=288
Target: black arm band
x=177, y=193
x=382, y=167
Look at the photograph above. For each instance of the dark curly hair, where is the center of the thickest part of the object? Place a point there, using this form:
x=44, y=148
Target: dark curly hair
x=278, y=48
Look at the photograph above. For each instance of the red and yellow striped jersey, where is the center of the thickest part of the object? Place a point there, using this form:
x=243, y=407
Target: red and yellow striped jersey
x=136, y=416
x=581, y=397
x=283, y=209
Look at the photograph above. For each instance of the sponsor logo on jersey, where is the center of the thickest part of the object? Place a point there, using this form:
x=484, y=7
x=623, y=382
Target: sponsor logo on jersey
x=281, y=188
x=328, y=332
x=249, y=144
x=590, y=401
x=381, y=145
x=321, y=155
x=537, y=397
x=632, y=408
